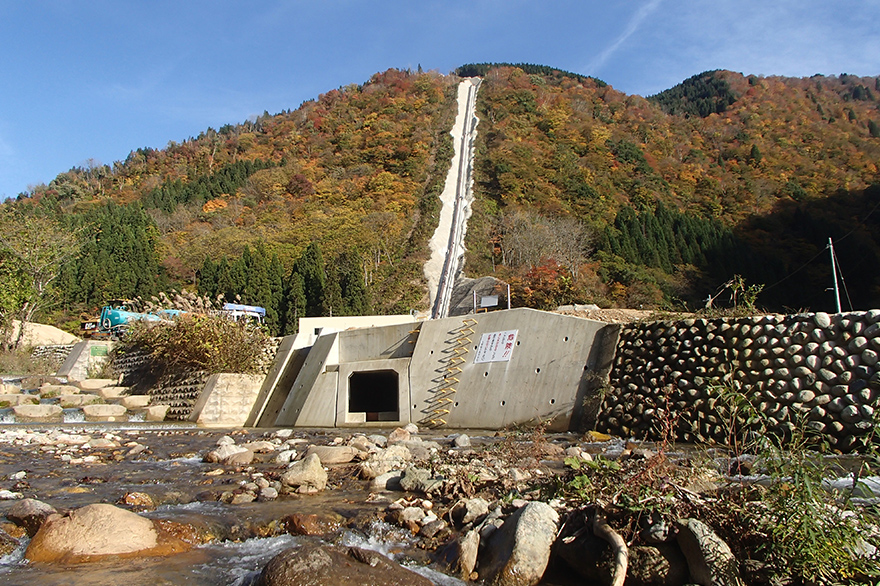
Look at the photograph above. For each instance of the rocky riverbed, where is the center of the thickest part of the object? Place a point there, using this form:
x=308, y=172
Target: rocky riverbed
x=185, y=505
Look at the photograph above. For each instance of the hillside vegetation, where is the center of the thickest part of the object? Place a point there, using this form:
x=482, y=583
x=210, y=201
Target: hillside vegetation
x=721, y=175
x=584, y=194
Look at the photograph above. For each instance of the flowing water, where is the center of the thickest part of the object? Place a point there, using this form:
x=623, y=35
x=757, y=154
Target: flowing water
x=171, y=471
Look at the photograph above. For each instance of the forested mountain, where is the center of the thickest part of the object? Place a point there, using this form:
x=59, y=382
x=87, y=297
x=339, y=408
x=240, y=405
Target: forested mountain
x=721, y=175
x=584, y=194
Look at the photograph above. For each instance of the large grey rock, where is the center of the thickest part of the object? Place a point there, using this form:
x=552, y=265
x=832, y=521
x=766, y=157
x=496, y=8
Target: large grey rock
x=469, y=510
x=461, y=556
x=419, y=480
x=260, y=447
x=709, y=558
x=30, y=514
x=420, y=450
x=399, y=435
x=387, y=481
x=330, y=565
x=518, y=552
x=462, y=440
x=391, y=458
x=230, y=454
x=306, y=475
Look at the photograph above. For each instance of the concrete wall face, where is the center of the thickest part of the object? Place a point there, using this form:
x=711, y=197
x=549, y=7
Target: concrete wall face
x=268, y=402
x=311, y=400
x=444, y=376
x=542, y=379
x=312, y=327
x=85, y=357
x=226, y=400
x=679, y=380
x=381, y=343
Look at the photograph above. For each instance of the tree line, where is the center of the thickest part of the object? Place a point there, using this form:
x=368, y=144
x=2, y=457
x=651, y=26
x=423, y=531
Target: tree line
x=311, y=288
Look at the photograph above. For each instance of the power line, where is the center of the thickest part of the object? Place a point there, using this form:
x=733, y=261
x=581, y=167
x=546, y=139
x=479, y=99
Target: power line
x=860, y=223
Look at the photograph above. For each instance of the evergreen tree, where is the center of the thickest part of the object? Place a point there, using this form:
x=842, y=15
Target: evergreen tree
x=294, y=303
x=310, y=266
x=207, y=279
x=274, y=311
x=353, y=289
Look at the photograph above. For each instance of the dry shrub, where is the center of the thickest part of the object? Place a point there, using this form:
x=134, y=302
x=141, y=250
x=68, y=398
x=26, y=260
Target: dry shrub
x=201, y=342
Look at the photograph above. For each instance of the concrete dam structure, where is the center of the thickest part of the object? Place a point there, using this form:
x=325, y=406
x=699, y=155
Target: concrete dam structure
x=488, y=371
x=691, y=380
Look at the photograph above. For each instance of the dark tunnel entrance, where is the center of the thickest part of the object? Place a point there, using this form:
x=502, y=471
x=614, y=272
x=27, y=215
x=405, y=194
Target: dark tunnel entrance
x=375, y=393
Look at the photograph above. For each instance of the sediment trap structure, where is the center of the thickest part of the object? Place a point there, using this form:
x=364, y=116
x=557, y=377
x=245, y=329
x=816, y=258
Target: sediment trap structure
x=692, y=380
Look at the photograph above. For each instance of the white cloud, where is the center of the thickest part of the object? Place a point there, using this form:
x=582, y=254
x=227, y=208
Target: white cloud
x=637, y=19
x=795, y=38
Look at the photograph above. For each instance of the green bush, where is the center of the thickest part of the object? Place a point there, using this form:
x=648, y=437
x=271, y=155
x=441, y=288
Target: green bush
x=201, y=342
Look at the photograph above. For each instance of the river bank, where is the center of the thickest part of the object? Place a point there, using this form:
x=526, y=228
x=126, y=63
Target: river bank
x=233, y=490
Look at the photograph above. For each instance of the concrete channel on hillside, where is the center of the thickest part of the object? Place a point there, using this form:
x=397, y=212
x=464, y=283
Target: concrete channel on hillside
x=447, y=243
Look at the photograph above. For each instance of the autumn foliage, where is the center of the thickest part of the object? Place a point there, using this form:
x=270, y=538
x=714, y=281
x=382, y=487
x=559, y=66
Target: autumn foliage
x=584, y=194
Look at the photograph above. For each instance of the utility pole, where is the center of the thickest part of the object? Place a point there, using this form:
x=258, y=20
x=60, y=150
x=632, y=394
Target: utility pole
x=834, y=272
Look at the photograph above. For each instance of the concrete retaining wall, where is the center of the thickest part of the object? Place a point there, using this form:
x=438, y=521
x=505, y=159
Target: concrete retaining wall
x=680, y=380
x=429, y=373
x=86, y=357
x=226, y=400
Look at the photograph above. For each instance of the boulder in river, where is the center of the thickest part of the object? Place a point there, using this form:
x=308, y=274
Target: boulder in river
x=382, y=461
x=330, y=565
x=312, y=524
x=334, y=454
x=230, y=454
x=30, y=514
x=97, y=531
x=518, y=552
x=306, y=475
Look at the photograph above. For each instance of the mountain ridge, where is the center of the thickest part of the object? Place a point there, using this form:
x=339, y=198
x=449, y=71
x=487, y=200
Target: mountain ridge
x=358, y=171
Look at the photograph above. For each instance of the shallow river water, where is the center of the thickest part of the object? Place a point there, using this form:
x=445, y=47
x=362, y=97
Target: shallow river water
x=172, y=472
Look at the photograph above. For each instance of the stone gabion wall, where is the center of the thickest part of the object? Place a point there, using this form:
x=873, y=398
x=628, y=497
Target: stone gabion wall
x=55, y=352
x=131, y=365
x=677, y=380
x=180, y=392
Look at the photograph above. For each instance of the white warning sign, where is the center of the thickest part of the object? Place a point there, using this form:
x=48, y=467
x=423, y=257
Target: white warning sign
x=496, y=347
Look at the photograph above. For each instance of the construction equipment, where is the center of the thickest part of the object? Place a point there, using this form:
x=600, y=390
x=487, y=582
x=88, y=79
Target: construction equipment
x=115, y=317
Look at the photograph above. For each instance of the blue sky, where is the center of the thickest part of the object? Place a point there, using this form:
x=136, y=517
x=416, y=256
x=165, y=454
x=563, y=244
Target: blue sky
x=97, y=79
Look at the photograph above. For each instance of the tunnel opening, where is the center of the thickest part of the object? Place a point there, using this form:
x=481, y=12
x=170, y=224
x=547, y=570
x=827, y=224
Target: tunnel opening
x=374, y=393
